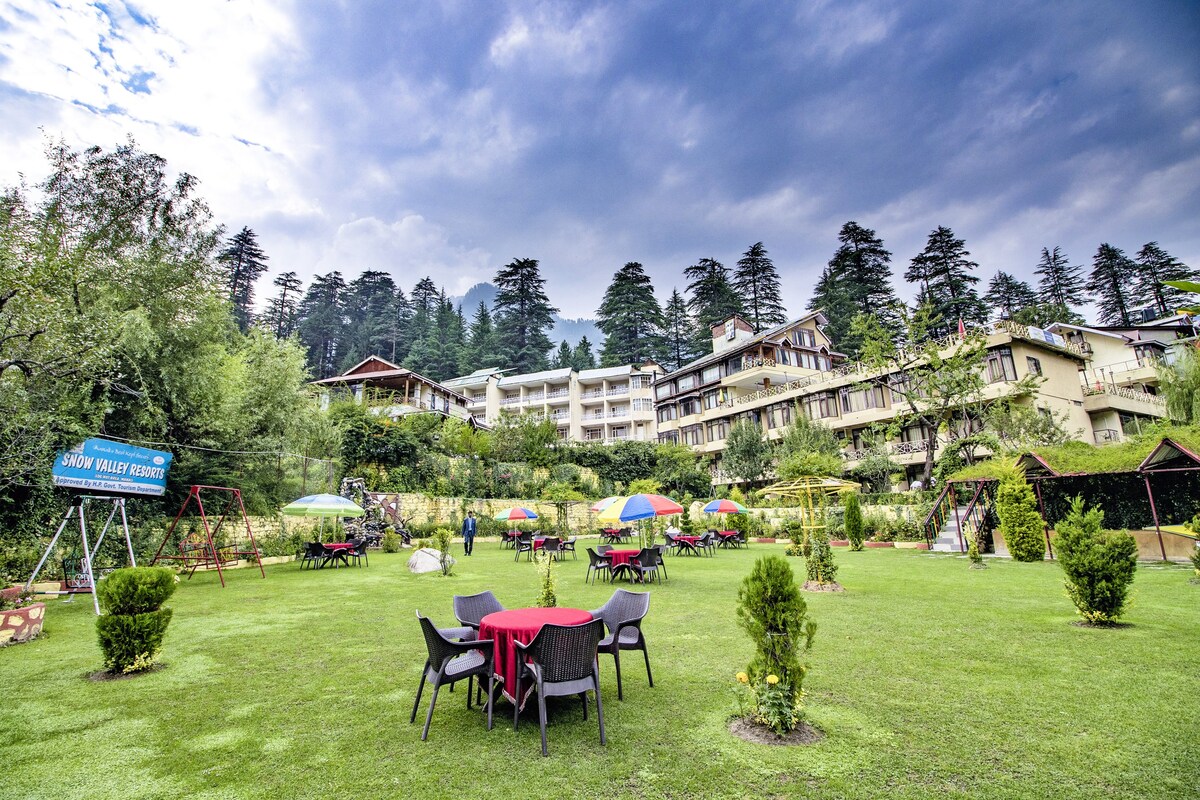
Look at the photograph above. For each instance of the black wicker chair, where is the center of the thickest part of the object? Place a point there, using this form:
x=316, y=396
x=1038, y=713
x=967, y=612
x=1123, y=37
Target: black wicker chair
x=561, y=662
x=644, y=566
x=552, y=546
x=448, y=663
x=523, y=544
x=623, y=615
x=597, y=564
x=314, y=554
x=359, y=553
x=469, y=609
x=661, y=549
x=602, y=549
x=569, y=547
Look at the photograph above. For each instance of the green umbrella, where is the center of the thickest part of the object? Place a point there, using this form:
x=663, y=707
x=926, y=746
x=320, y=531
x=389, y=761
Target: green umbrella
x=322, y=505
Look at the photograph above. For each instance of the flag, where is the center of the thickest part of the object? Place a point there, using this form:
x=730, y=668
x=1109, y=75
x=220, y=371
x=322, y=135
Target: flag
x=962, y=329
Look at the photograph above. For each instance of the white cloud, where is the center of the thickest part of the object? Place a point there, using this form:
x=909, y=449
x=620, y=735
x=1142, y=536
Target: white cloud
x=548, y=38
x=409, y=249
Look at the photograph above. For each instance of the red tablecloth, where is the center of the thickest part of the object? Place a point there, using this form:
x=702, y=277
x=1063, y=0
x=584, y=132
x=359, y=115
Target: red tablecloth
x=621, y=556
x=689, y=539
x=522, y=624
x=339, y=546
x=726, y=534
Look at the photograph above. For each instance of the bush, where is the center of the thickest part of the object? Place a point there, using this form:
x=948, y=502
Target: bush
x=441, y=540
x=132, y=630
x=819, y=564
x=854, y=522
x=1099, y=564
x=391, y=542
x=774, y=614
x=1020, y=523
x=795, y=532
x=547, y=597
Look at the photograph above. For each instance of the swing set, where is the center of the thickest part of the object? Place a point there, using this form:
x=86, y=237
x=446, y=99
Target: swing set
x=195, y=549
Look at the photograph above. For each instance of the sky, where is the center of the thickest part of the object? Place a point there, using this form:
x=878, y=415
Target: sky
x=447, y=138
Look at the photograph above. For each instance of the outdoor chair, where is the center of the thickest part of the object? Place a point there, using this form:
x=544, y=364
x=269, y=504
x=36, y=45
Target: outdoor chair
x=552, y=547
x=314, y=554
x=661, y=549
x=597, y=564
x=359, y=553
x=561, y=662
x=569, y=547
x=470, y=609
x=707, y=544
x=645, y=565
x=448, y=663
x=671, y=541
x=603, y=548
x=626, y=534
x=523, y=544
x=623, y=615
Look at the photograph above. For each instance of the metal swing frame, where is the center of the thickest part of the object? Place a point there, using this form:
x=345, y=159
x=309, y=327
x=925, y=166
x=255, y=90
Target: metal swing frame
x=78, y=509
x=205, y=553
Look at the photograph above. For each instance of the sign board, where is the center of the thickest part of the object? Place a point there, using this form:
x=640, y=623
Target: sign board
x=113, y=468
x=1047, y=336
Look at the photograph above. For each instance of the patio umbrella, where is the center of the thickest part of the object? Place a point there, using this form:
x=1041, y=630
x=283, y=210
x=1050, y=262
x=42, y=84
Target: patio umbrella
x=516, y=512
x=600, y=505
x=639, y=506
x=724, y=507
x=322, y=505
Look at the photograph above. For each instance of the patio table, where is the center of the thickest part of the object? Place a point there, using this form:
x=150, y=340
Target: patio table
x=521, y=625
x=337, y=551
x=728, y=538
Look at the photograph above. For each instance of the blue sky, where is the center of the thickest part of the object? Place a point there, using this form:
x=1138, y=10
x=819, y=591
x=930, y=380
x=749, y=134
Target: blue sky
x=449, y=138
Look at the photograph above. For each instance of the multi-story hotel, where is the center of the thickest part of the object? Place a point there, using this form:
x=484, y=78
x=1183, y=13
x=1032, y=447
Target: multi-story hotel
x=393, y=390
x=609, y=404
x=764, y=377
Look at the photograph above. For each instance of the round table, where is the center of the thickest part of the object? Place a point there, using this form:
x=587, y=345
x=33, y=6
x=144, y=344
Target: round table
x=521, y=625
x=619, y=557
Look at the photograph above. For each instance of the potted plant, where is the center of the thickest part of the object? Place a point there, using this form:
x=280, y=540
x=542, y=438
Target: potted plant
x=20, y=617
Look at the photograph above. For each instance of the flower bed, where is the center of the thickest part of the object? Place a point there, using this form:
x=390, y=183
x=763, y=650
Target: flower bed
x=879, y=544
x=21, y=624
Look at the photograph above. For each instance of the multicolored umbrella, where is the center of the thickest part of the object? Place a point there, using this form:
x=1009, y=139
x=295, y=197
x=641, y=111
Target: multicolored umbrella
x=322, y=505
x=725, y=507
x=600, y=505
x=516, y=512
x=639, y=506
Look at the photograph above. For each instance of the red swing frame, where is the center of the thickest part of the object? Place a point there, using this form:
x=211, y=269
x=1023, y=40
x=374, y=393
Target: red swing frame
x=205, y=554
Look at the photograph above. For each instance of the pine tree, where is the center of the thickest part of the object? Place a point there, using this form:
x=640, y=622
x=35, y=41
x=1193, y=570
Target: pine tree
x=757, y=281
x=1112, y=284
x=244, y=262
x=1154, y=266
x=421, y=354
x=1008, y=295
x=322, y=326
x=858, y=279
x=370, y=312
x=583, y=356
x=283, y=310
x=711, y=299
x=678, y=343
x=630, y=318
x=942, y=270
x=400, y=334
x=481, y=350
x=564, y=355
x=1059, y=283
x=447, y=340
x=523, y=315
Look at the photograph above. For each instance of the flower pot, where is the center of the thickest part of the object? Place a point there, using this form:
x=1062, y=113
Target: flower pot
x=21, y=624
x=879, y=544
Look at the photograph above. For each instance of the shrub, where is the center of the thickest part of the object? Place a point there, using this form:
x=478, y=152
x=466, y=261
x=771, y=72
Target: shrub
x=1020, y=523
x=132, y=630
x=1099, y=564
x=441, y=540
x=795, y=532
x=1196, y=559
x=547, y=598
x=854, y=522
x=775, y=616
x=819, y=564
x=391, y=542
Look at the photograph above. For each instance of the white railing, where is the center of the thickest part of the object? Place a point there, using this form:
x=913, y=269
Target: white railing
x=1126, y=393
x=617, y=390
x=558, y=393
x=509, y=401
x=592, y=394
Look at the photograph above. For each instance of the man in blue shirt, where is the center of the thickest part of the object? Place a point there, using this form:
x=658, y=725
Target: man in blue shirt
x=468, y=532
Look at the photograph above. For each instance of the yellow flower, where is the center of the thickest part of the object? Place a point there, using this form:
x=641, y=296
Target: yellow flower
x=743, y=677
x=772, y=680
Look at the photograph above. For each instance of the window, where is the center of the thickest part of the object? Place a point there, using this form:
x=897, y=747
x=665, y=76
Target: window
x=639, y=381
x=1000, y=365
x=641, y=404
x=821, y=405
x=718, y=430
x=804, y=337
x=667, y=413
x=712, y=399
x=693, y=435
x=669, y=437
x=686, y=382
x=689, y=406
x=663, y=389
x=779, y=416
x=1035, y=366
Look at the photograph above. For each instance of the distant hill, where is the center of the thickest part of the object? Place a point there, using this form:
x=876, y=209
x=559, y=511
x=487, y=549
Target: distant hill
x=570, y=329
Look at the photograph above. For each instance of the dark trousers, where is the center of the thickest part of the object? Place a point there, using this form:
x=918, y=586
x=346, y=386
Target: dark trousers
x=468, y=542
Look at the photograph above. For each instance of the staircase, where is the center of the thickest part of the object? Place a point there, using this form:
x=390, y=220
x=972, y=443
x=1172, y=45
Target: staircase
x=942, y=525
x=947, y=540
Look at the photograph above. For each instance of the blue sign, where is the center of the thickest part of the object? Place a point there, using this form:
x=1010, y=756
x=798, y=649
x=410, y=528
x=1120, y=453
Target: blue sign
x=112, y=467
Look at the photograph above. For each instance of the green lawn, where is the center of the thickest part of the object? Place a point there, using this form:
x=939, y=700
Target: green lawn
x=929, y=680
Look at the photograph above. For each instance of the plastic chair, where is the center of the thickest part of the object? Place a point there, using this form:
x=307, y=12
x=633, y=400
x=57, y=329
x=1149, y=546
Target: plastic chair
x=470, y=609
x=448, y=663
x=623, y=615
x=597, y=564
x=561, y=662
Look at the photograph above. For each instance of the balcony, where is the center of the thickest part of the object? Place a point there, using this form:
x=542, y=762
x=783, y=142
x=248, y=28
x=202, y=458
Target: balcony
x=509, y=401
x=618, y=414
x=594, y=394
x=1122, y=398
x=617, y=391
x=558, y=395
x=756, y=370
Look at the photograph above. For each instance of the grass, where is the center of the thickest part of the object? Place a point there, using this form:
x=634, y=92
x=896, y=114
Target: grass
x=928, y=679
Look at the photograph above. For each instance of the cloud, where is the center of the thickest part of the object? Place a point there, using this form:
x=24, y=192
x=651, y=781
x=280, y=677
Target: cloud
x=548, y=39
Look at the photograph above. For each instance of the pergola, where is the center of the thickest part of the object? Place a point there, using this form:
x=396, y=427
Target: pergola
x=807, y=487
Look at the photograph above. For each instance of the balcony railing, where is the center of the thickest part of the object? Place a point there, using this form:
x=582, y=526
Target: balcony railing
x=1126, y=393
x=908, y=448
x=1107, y=436
x=618, y=390
x=557, y=393
x=592, y=395
x=509, y=401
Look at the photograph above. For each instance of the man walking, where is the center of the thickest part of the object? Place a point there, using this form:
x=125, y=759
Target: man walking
x=468, y=532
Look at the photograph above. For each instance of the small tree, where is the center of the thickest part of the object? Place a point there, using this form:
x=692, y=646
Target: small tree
x=132, y=630
x=854, y=521
x=747, y=454
x=547, y=598
x=1020, y=523
x=819, y=564
x=1099, y=564
x=441, y=540
x=774, y=614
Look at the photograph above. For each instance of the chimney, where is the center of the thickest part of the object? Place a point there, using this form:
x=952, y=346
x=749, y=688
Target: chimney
x=729, y=333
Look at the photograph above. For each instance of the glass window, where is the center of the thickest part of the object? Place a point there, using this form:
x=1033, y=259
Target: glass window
x=711, y=374
x=804, y=337
x=1035, y=366
x=718, y=430
x=689, y=406
x=693, y=435
x=1000, y=365
x=686, y=382
x=663, y=389
x=667, y=412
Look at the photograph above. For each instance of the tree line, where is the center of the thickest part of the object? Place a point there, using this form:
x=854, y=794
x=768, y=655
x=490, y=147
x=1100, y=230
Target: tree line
x=338, y=323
